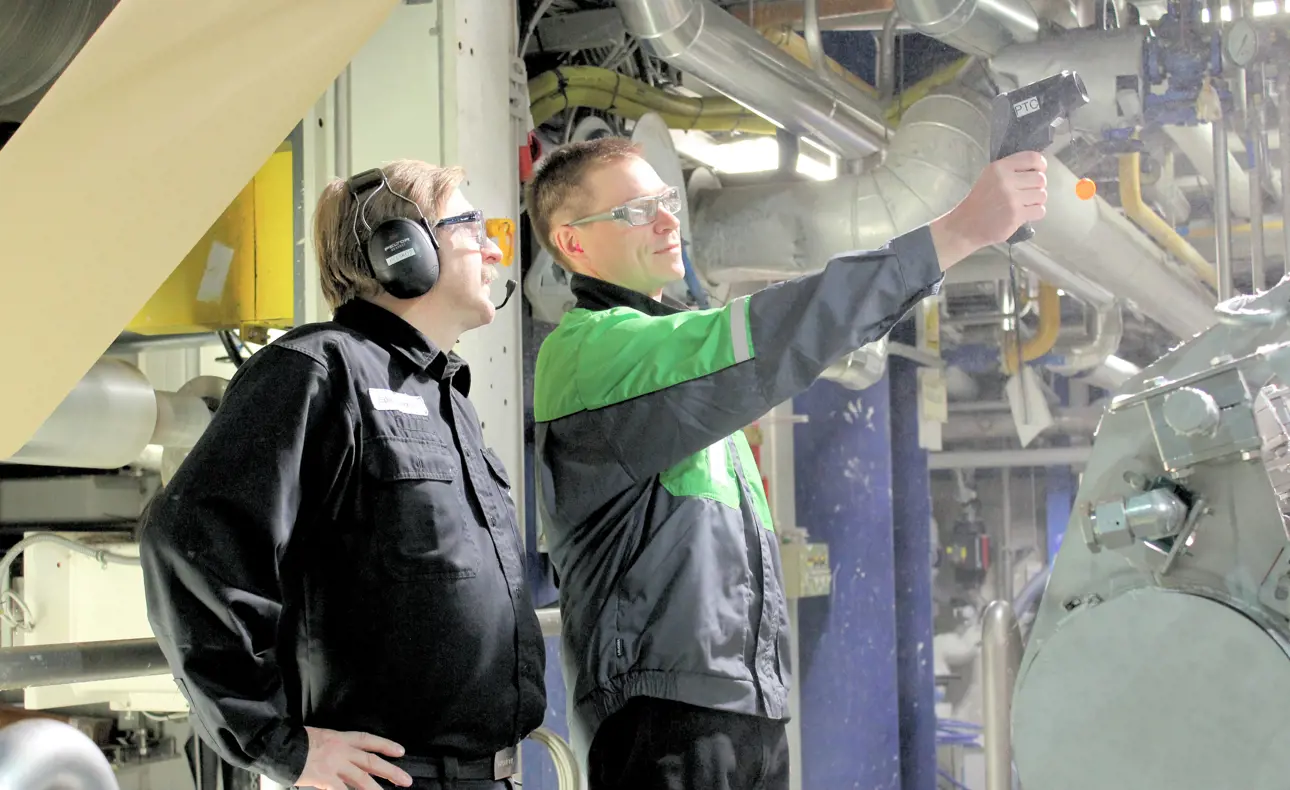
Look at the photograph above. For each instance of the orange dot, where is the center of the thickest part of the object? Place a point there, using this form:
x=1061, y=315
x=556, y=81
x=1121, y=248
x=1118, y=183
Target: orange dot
x=1085, y=189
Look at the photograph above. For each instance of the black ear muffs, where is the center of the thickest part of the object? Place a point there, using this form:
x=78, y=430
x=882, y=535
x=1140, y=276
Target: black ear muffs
x=402, y=253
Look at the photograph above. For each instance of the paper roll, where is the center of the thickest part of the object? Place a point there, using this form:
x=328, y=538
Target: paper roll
x=155, y=126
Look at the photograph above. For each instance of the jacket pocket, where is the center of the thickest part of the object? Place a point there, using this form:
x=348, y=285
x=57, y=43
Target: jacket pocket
x=422, y=527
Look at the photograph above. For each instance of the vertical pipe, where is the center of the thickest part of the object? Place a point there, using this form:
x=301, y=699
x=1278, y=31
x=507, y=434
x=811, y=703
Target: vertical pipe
x=912, y=554
x=1257, y=141
x=1283, y=110
x=814, y=41
x=1003, y=579
x=887, y=57
x=1000, y=660
x=1222, y=211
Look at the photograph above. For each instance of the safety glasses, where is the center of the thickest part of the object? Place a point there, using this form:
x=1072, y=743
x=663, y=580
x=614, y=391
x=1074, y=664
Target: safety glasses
x=641, y=211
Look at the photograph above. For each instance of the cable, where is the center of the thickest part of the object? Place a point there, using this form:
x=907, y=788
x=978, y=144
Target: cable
x=956, y=784
x=23, y=620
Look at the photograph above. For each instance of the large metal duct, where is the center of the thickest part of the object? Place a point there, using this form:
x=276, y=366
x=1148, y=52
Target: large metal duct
x=697, y=37
x=44, y=754
x=978, y=27
x=784, y=229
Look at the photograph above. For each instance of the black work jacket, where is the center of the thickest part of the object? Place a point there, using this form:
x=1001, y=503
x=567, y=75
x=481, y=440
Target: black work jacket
x=340, y=550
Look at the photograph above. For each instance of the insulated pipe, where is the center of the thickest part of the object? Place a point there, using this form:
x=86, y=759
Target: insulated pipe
x=1222, y=210
x=1005, y=459
x=776, y=230
x=1107, y=333
x=1164, y=234
x=772, y=231
x=1112, y=374
x=44, y=754
x=698, y=37
x=1050, y=325
x=554, y=91
x=978, y=27
x=1283, y=111
x=1197, y=144
x=1000, y=425
x=1257, y=134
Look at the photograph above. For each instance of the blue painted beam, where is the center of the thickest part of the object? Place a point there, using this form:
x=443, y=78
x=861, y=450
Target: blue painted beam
x=848, y=675
x=912, y=556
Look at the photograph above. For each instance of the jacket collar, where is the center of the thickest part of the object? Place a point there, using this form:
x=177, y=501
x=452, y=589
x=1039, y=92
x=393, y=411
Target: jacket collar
x=593, y=294
x=393, y=333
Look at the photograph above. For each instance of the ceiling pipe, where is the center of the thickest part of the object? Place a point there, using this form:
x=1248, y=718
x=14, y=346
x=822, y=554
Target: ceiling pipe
x=1006, y=459
x=1001, y=425
x=978, y=27
x=794, y=12
x=776, y=230
x=698, y=37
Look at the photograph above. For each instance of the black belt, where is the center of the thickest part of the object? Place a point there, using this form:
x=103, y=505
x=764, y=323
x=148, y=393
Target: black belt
x=500, y=766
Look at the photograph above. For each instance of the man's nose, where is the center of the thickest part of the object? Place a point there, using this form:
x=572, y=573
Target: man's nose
x=666, y=221
x=490, y=251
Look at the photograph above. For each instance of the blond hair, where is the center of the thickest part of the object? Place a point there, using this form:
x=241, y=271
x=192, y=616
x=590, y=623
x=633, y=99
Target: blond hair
x=344, y=273
x=559, y=186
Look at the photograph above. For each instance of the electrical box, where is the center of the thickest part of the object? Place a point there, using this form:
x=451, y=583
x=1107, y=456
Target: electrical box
x=806, y=569
x=241, y=274
x=74, y=598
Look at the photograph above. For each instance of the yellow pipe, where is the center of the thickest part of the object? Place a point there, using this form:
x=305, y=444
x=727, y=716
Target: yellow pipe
x=1155, y=227
x=1245, y=227
x=1050, y=324
x=603, y=89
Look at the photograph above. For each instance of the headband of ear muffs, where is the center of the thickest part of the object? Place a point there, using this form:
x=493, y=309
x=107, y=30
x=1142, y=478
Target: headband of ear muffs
x=402, y=253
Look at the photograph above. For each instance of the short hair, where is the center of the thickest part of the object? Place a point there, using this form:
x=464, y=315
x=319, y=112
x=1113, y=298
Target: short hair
x=559, y=184
x=344, y=272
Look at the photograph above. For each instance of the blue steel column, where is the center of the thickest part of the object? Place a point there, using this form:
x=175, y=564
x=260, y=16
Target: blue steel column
x=1059, y=485
x=912, y=555
x=847, y=677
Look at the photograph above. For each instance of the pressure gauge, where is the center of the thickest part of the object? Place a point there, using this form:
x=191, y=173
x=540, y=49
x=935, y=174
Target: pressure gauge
x=1245, y=43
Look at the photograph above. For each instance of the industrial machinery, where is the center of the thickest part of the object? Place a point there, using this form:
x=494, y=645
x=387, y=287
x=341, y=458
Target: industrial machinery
x=1160, y=656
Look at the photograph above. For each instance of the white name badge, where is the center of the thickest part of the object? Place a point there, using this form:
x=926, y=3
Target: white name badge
x=385, y=400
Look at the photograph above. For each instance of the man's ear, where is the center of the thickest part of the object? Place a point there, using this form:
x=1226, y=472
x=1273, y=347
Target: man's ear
x=565, y=239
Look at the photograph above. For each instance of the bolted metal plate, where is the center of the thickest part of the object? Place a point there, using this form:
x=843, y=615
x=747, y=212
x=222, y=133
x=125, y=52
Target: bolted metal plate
x=1154, y=690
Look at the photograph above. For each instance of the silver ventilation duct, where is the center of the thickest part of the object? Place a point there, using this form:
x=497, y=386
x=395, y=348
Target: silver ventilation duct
x=978, y=27
x=699, y=38
x=783, y=229
x=777, y=230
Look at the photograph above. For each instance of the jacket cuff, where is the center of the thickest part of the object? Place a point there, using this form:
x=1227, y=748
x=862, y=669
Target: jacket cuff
x=920, y=266
x=285, y=752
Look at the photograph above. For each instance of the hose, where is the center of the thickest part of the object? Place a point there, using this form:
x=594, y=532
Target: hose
x=589, y=86
x=568, y=776
x=22, y=619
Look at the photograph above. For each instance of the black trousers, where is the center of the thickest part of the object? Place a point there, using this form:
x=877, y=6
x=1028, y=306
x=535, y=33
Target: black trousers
x=455, y=784
x=654, y=744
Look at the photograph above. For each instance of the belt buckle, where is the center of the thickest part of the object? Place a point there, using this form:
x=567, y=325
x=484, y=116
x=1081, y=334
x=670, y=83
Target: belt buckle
x=504, y=764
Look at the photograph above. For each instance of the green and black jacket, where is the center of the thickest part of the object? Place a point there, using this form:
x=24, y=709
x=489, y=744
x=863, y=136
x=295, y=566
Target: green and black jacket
x=670, y=580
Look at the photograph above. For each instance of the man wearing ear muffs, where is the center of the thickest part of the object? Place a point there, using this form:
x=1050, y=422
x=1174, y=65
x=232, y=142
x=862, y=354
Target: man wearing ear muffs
x=335, y=573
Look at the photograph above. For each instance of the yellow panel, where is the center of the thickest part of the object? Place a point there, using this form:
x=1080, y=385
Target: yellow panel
x=275, y=245
x=241, y=272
